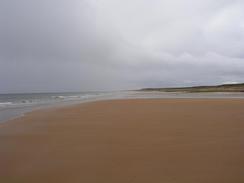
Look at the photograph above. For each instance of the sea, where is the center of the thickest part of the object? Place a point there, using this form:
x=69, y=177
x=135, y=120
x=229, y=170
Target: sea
x=17, y=105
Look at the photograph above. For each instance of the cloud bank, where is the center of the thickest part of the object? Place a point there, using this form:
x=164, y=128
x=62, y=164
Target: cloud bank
x=78, y=45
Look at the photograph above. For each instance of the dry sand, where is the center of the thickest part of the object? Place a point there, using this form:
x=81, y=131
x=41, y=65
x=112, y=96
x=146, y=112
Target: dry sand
x=127, y=141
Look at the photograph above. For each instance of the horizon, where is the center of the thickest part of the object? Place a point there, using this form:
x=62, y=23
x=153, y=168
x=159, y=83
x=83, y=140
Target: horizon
x=56, y=92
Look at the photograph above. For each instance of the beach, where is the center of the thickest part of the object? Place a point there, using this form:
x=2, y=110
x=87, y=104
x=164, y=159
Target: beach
x=180, y=140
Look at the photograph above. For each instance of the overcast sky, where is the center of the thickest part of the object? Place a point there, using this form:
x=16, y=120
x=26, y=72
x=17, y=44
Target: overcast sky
x=78, y=45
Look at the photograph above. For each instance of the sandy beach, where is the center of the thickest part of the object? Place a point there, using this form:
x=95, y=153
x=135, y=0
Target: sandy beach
x=127, y=141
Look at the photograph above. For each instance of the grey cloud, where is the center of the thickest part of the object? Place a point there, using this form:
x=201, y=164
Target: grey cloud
x=61, y=45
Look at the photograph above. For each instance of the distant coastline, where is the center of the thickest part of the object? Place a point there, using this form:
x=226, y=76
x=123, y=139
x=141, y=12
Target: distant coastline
x=217, y=88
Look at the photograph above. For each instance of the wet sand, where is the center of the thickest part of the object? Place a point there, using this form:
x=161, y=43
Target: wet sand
x=127, y=141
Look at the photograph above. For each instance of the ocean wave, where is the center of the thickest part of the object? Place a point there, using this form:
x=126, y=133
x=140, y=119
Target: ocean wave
x=26, y=101
x=3, y=104
x=73, y=97
x=58, y=97
x=66, y=97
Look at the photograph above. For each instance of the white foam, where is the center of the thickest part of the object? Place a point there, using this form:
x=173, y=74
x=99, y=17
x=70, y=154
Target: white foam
x=3, y=104
x=58, y=97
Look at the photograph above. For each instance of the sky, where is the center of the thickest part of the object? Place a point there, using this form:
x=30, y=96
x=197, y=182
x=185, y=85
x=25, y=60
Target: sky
x=83, y=45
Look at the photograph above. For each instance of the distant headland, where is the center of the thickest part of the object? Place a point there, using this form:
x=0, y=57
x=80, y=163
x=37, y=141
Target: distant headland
x=217, y=88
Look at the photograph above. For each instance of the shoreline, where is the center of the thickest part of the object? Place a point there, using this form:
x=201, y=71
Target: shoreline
x=23, y=110
x=124, y=140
